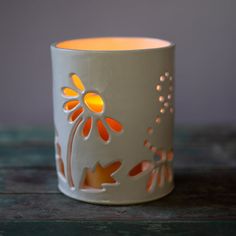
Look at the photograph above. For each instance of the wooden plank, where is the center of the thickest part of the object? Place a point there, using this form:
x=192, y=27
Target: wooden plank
x=26, y=156
x=112, y=228
x=199, y=195
x=184, y=135
x=189, y=157
x=31, y=180
x=21, y=207
x=19, y=135
x=188, y=181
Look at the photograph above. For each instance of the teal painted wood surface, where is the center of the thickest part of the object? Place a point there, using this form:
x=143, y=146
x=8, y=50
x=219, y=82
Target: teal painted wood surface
x=203, y=202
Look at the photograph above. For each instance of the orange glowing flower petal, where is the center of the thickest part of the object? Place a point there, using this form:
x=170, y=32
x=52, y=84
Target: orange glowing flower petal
x=70, y=105
x=102, y=131
x=114, y=125
x=68, y=92
x=87, y=127
x=77, y=82
x=168, y=174
x=58, y=150
x=159, y=179
x=170, y=155
x=75, y=114
x=151, y=181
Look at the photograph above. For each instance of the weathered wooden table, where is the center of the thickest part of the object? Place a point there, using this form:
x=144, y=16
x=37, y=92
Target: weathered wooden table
x=203, y=202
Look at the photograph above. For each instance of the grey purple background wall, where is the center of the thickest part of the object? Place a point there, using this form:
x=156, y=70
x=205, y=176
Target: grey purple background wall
x=204, y=32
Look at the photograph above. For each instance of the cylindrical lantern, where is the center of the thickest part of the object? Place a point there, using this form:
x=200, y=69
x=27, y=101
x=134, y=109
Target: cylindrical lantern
x=114, y=111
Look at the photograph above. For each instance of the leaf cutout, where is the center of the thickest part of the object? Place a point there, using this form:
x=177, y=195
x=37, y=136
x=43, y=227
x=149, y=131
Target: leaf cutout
x=100, y=175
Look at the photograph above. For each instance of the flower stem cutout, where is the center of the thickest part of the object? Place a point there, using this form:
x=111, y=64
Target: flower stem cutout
x=87, y=109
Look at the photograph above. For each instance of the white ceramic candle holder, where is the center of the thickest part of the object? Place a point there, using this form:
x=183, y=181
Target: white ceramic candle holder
x=114, y=112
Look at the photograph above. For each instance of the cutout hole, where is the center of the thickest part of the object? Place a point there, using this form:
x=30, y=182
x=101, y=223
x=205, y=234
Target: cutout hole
x=60, y=163
x=151, y=181
x=76, y=114
x=158, y=87
x=70, y=105
x=161, y=99
x=102, y=131
x=162, y=110
x=170, y=155
x=162, y=78
x=158, y=120
x=141, y=167
x=87, y=127
x=146, y=143
x=94, y=102
x=114, y=125
x=61, y=168
x=149, y=130
x=68, y=92
x=100, y=175
x=77, y=82
x=166, y=104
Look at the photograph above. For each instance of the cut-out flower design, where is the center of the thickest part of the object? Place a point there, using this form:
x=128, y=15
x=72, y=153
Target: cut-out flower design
x=160, y=171
x=80, y=100
x=86, y=109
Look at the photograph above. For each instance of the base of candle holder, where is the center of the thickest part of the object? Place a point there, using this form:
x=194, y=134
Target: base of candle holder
x=117, y=202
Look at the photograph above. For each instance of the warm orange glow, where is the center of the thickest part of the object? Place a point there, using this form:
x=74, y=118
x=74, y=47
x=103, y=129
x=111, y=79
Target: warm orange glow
x=151, y=180
x=102, y=130
x=76, y=114
x=113, y=44
x=77, y=82
x=71, y=104
x=87, y=127
x=95, y=178
x=114, y=125
x=94, y=102
x=68, y=92
x=142, y=166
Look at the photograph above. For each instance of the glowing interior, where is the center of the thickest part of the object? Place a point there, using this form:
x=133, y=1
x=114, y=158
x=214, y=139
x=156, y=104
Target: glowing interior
x=113, y=44
x=95, y=178
x=94, y=102
x=114, y=125
x=102, y=131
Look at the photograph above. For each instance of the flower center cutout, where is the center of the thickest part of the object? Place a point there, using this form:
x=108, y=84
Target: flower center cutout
x=94, y=102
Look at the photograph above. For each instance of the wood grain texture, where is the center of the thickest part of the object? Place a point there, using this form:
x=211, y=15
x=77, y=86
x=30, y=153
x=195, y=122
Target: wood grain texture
x=203, y=202
x=114, y=228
